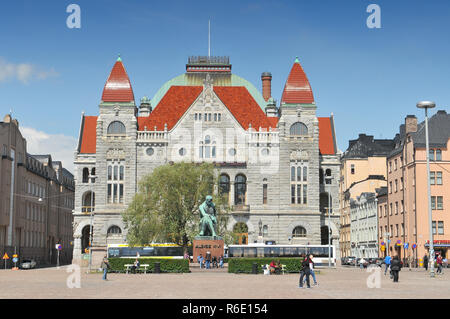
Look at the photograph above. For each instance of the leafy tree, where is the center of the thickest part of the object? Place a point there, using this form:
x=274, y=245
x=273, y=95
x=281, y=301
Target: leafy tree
x=166, y=207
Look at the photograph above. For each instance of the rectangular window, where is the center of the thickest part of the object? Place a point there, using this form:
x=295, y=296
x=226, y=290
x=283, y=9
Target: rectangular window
x=299, y=174
x=121, y=193
x=396, y=208
x=401, y=183
x=390, y=210
x=352, y=168
x=402, y=206
x=440, y=202
x=264, y=193
x=438, y=155
x=438, y=178
x=200, y=116
x=432, y=178
x=390, y=167
x=292, y=194
x=305, y=173
x=390, y=187
x=396, y=186
x=292, y=174
x=209, y=117
x=299, y=194
x=215, y=117
x=115, y=193
x=434, y=228
x=431, y=153
x=195, y=116
x=385, y=210
x=433, y=202
x=305, y=193
x=121, y=173
x=440, y=227
x=395, y=164
x=219, y=117
x=115, y=172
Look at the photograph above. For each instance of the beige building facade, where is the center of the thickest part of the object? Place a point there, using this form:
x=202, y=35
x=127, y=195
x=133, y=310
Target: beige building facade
x=363, y=170
x=36, y=202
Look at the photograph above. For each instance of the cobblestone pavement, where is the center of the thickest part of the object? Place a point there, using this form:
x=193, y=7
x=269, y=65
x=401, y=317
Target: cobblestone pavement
x=341, y=282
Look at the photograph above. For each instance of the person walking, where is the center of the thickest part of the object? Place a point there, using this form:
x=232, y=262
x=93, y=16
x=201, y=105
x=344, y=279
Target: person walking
x=305, y=272
x=105, y=266
x=387, y=262
x=425, y=262
x=361, y=263
x=221, y=261
x=395, y=268
x=311, y=269
x=439, y=264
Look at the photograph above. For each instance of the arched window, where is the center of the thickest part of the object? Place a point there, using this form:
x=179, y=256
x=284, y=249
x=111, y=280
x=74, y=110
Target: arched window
x=299, y=232
x=265, y=230
x=93, y=174
x=114, y=230
x=88, y=202
x=240, y=188
x=299, y=128
x=116, y=128
x=85, y=175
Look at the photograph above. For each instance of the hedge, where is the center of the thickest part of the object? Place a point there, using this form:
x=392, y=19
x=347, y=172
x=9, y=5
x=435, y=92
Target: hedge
x=245, y=265
x=166, y=265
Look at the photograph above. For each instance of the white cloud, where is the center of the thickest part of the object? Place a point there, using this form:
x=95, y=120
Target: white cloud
x=23, y=72
x=60, y=147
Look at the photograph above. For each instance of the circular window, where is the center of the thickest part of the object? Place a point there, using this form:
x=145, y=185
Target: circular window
x=265, y=151
x=182, y=151
x=232, y=151
x=150, y=151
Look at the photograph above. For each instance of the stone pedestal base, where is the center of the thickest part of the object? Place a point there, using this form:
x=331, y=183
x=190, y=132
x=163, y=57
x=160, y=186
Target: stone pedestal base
x=201, y=245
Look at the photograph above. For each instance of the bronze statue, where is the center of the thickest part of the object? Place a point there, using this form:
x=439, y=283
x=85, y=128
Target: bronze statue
x=208, y=221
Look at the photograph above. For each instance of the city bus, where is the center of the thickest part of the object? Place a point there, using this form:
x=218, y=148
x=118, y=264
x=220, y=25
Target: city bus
x=320, y=252
x=157, y=250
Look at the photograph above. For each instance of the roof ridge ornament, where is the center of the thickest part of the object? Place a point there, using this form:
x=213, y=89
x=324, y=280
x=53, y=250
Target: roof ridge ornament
x=297, y=60
x=119, y=59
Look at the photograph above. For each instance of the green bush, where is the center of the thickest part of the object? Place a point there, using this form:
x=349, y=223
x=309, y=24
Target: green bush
x=244, y=265
x=166, y=265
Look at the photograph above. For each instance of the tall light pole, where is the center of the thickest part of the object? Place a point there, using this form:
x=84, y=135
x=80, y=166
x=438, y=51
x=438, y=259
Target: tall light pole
x=91, y=226
x=428, y=105
x=329, y=178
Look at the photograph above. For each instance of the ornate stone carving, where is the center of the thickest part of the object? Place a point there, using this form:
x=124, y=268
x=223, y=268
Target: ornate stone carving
x=116, y=109
x=299, y=155
x=115, y=153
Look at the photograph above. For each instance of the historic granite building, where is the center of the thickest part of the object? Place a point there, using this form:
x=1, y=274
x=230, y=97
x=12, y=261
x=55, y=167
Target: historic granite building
x=272, y=160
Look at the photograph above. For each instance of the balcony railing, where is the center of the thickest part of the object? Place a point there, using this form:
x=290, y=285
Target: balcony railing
x=152, y=136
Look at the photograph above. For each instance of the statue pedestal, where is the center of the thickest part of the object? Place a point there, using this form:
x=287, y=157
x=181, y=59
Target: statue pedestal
x=203, y=244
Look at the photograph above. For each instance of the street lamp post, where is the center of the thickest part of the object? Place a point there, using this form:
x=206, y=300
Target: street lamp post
x=92, y=178
x=428, y=105
x=329, y=178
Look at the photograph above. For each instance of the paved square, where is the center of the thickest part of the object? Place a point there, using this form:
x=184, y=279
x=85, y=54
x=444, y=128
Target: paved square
x=341, y=282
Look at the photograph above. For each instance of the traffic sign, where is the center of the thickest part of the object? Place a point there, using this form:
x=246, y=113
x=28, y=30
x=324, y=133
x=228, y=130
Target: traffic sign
x=15, y=256
x=15, y=259
x=5, y=256
x=58, y=246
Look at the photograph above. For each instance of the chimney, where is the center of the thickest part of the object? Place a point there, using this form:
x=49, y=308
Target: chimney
x=266, y=78
x=145, y=108
x=410, y=124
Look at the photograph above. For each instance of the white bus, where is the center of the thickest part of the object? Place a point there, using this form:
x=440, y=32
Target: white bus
x=166, y=250
x=321, y=254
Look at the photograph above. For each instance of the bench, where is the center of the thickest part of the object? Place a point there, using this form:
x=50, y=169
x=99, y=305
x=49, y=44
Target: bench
x=128, y=266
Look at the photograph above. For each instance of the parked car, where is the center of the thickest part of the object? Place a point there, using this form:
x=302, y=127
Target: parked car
x=28, y=264
x=351, y=260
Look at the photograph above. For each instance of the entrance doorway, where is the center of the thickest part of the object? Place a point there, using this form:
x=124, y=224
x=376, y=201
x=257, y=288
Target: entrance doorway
x=85, y=234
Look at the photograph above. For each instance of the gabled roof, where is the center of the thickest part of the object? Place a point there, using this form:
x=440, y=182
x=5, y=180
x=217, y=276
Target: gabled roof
x=170, y=108
x=297, y=89
x=327, y=143
x=88, y=136
x=118, y=86
x=243, y=107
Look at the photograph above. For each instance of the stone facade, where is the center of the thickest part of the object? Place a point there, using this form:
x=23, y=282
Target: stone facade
x=36, y=201
x=264, y=156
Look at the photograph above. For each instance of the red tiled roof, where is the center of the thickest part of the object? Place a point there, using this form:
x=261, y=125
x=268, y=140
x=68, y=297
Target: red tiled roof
x=326, y=139
x=297, y=88
x=89, y=135
x=171, y=108
x=118, y=86
x=243, y=107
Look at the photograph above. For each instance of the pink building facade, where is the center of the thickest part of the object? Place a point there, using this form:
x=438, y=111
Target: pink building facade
x=403, y=214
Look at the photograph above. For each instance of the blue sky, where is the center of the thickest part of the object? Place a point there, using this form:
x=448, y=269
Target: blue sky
x=370, y=79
